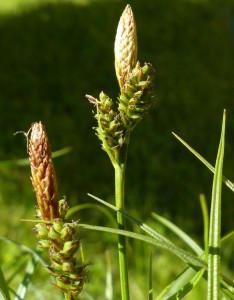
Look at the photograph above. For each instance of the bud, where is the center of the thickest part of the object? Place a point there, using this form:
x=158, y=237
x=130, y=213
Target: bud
x=43, y=174
x=125, y=46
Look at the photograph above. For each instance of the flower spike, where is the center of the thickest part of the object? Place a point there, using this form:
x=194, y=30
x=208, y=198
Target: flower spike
x=125, y=46
x=116, y=119
x=56, y=236
x=43, y=174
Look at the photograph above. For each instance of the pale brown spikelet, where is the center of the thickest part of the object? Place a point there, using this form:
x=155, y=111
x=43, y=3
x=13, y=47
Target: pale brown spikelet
x=125, y=46
x=43, y=174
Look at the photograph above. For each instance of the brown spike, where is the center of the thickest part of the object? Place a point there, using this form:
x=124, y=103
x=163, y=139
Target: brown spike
x=43, y=174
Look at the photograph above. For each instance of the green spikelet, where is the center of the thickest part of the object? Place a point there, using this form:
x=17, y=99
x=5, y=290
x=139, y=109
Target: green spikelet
x=69, y=272
x=110, y=127
x=136, y=95
x=109, y=120
x=60, y=240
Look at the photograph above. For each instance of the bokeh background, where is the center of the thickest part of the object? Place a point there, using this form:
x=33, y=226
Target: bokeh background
x=52, y=53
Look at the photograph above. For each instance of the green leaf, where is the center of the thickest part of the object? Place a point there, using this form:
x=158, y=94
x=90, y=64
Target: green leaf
x=160, y=241
x=184, y=255
x=182, y=285
x=226, y=181
x=109, y=278
x=180, y=233
x=22, y=289
x=227, y=236
x=102, y=209
x=157, y=238
x=150, y=278
x=188, y=278
x=4, y=292
x=34, y=253
x=206, y=223
x=215, y=223
x=23, y=162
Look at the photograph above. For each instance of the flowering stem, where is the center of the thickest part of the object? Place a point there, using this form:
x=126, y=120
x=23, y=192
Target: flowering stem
x=120, y=168
x=117, y=120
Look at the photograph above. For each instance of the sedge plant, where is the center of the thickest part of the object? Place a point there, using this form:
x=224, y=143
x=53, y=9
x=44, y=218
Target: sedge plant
x=115, y=122
x=202, y=263
x=117, y=119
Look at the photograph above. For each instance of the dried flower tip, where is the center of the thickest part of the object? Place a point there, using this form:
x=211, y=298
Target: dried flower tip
x=43, y=174
x=125, y=46
x=92, y=99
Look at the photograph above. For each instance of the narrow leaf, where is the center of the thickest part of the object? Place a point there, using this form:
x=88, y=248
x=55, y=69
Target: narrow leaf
x=23, y=162
x=182, y=285
x=157, y=241
x=109, y=278
x=180, y=233
x=227, y=236
x=34, y=253
x=22, y=289
x=150, y=279
x=4, y=292
x=205, y=223
x=102, y=209
x=226, y=181
x=215, y=223
x=184, y=255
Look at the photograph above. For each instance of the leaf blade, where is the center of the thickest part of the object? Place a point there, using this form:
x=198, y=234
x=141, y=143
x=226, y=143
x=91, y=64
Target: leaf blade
x=215, y=222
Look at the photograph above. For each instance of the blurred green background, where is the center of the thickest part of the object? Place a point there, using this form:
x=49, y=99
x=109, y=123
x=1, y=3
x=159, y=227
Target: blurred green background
x=52, y=53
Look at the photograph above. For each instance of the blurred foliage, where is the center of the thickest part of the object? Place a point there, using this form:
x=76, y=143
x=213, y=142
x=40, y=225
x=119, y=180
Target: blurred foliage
x=53, y=54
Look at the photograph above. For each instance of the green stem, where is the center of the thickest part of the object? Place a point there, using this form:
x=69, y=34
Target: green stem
x=119, y=202
x=119, y=198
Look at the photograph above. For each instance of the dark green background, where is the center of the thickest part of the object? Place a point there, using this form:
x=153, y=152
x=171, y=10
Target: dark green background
x=52, y=55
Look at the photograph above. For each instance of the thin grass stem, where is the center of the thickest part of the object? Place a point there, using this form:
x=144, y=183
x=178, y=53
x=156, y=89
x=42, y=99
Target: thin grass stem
x=119, y=198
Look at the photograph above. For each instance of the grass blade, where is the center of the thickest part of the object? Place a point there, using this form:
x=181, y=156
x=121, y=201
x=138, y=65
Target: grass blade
x=102, y=209
x=24, y=162
x=206, y=223
x=227, y=236
x=182, y=254
x=34, y=253
x=150, y=279
x=215, y=223
x=22, y=289
x=188, y=279
x=4, y=292
x=226, y=181
x=109, y=278
x=182, y=285
x=158, y=238
x=180, y=233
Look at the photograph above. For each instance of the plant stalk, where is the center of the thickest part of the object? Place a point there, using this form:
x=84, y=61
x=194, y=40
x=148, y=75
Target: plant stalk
x=120, y=168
